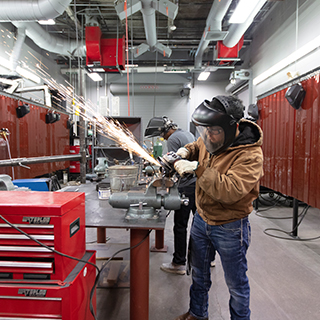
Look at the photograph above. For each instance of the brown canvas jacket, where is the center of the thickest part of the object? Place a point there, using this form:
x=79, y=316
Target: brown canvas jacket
x=228, y=183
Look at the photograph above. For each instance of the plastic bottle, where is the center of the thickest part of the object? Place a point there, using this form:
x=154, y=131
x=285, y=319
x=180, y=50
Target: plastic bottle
x=157, y=148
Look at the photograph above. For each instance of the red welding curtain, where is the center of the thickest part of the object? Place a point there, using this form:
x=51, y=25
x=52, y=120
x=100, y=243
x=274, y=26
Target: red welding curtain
x=291, y=144
x=30, y=136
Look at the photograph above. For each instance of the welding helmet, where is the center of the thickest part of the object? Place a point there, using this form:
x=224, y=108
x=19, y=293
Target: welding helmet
x=159, y=126
x=216, y=122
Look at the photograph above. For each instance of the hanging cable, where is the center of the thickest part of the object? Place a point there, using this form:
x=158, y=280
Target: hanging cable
x=132, y=74
x=127, y=55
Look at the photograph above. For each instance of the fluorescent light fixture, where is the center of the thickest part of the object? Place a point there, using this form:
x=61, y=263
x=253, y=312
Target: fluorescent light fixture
x=94, y=76
x=28, y=75
x=47, y=22
x=203, y=76
x=244, y=9
x=173, y=70
x=97, y=70
x=307, y=48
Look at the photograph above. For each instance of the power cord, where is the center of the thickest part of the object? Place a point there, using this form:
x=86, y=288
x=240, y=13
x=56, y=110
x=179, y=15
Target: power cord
x=77, y=259
x=289, y=233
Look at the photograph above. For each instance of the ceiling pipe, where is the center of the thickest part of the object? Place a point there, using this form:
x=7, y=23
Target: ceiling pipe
x=15, y=55
x=26, y=10
x=237, y=30
x=212, y=30
x=22, y=13
x=148, y=9
x=49, y=42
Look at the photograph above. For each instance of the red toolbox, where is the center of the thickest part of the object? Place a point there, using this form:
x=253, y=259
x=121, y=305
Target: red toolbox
x=41, y=300
x=57, y=219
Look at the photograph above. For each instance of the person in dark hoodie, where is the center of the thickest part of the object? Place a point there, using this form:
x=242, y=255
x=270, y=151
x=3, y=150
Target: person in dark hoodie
x=176, y=138
x=228, y=162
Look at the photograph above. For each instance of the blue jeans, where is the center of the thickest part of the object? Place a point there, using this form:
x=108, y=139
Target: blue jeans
x=231, y=241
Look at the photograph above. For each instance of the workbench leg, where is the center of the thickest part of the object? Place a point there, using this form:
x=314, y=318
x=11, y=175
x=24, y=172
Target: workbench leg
x=159, y=242
x=101, y=235
x=139, y=275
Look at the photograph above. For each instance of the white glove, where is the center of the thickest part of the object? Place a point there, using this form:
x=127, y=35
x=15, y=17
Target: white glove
x=185, y=166
x=183, y=152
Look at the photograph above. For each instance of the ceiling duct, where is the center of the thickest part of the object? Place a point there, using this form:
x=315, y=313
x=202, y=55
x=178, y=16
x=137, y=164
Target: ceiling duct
x=146, y=89
x=14, y=58
x=23, y=13
x=26, y=10
x=237, y=30
x=51, y=43
x=212, y=30
x=233, y=35
x=148, y=9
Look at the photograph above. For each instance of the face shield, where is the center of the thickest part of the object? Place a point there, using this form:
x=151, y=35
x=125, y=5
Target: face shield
x=159, y=126
x=213, y=137
x=216, y=128
x=154, y=128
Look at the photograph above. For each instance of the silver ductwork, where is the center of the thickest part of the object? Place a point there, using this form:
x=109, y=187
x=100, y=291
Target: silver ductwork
x=31, y=10
x=23, y=13
x=14, y=58
x=232, y=36
x=51, y=43
x=212, y=31
x=237, y=30
x=148, y=9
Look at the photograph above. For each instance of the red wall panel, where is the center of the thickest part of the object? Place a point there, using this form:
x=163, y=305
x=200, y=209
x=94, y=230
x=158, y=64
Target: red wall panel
x=291, y=144
x=30, y=136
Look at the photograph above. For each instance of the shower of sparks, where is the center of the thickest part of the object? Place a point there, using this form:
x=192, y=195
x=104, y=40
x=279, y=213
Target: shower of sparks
x=106, y=127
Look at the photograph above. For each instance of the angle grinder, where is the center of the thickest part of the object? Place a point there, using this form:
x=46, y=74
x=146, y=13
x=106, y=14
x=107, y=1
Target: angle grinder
x=167, y=163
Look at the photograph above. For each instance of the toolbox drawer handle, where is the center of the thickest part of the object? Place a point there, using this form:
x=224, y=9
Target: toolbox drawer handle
x=29, y=226
x=44, y=265
x=26, y=249
x=22, y=236
x=24, y=318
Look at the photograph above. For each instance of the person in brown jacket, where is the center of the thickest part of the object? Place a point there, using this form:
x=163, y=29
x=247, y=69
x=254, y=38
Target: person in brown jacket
x=228, y=162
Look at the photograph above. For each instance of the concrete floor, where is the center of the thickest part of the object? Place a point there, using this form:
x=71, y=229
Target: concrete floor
x=284, y=274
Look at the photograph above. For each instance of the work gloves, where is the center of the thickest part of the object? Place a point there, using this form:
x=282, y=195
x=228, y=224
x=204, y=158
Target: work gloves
x=183, y=152
x=185, y=166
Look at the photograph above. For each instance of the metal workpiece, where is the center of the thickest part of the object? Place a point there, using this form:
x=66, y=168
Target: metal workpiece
x=35, y=160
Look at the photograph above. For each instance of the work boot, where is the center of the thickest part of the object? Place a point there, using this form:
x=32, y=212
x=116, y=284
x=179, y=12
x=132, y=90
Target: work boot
x=188, y=316
x=173, y=268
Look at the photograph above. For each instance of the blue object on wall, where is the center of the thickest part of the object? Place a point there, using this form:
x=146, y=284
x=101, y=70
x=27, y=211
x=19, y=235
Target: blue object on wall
x=42, y=184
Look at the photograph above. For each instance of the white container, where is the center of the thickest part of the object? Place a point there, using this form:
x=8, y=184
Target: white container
x=104, y=193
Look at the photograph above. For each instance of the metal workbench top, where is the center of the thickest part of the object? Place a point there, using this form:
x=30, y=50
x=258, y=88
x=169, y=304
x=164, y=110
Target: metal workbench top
x=99, y=213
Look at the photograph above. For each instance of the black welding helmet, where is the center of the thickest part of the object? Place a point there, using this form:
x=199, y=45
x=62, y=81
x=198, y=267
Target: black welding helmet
x=159, y=126
x=216, y=122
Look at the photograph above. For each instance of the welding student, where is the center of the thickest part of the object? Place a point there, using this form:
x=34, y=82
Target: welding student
x=176, y=138
x=228, y=161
